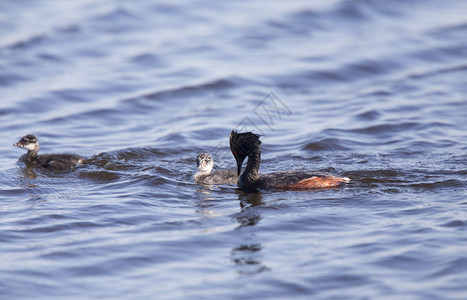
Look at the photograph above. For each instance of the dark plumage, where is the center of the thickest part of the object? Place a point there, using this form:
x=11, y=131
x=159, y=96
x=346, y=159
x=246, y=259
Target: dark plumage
x=247, y=144
x=50, y=161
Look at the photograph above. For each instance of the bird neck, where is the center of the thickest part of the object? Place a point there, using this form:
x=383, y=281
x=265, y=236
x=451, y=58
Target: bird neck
x=251, y=173
x=32, y=154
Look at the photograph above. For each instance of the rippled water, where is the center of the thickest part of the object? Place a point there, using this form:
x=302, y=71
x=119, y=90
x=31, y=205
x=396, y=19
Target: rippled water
x=371, y=90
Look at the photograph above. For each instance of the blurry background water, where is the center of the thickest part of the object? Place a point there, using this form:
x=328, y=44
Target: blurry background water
x=372, y=90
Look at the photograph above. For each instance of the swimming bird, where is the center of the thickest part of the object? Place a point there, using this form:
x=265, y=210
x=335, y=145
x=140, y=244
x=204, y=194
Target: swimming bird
x=51, y=161
x=248, y=144
x=205, y=175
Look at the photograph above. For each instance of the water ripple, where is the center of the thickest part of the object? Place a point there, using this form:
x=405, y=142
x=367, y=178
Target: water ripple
x=370, y=90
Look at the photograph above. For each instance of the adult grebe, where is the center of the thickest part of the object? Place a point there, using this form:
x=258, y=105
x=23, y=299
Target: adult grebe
x=205, y=163
x=248, y=145
x=51, y=161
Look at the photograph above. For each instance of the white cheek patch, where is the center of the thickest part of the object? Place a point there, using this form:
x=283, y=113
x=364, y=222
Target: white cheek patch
x=208, y=167
x=205, y=168
x=29, y=146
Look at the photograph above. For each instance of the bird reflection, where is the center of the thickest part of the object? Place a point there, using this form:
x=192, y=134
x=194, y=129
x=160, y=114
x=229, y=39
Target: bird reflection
x=28, y=172
x=247, y=258
x=249, y=197
x=247, y=215
x=205, y=201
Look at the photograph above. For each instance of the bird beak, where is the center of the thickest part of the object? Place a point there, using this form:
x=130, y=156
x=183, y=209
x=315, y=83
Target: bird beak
x=239, y=167
x=19, y=144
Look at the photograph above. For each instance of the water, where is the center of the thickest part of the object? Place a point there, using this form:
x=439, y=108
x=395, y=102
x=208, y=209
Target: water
x=372, y=90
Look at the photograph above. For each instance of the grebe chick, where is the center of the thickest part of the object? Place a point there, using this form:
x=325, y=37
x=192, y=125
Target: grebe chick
x=51, y=161
x=248, y=145
x=205, y=163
